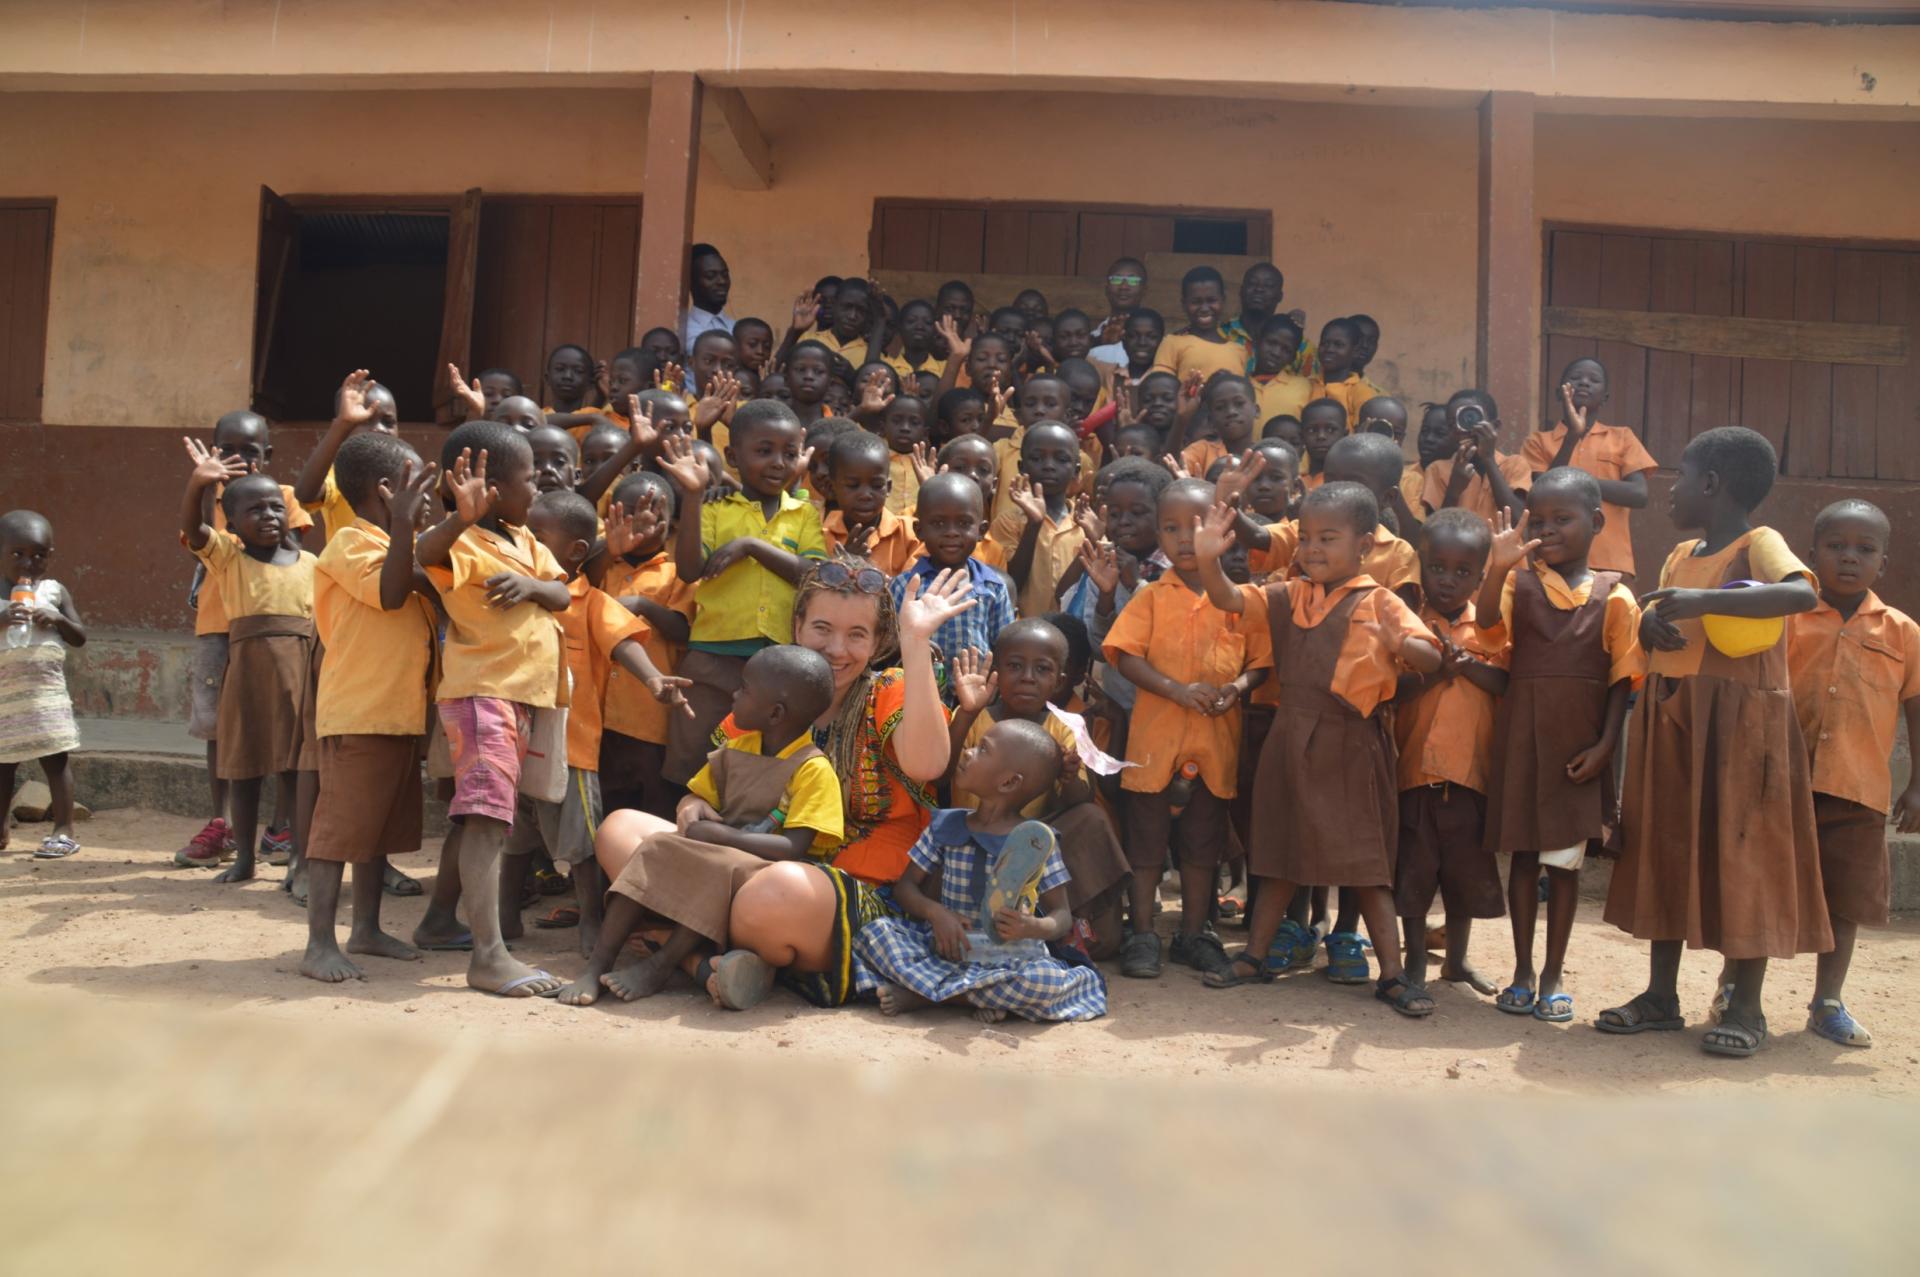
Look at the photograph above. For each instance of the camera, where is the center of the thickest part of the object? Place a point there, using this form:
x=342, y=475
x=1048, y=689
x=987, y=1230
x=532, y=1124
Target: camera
x=1469, y=417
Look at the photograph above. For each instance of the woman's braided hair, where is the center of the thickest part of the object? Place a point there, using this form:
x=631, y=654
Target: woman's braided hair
x=844, y=745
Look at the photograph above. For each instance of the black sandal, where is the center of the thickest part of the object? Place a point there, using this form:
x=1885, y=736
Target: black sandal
x=1230, y=977
x=1408, y=994
x=1643, y=1014
x=1740, y=1038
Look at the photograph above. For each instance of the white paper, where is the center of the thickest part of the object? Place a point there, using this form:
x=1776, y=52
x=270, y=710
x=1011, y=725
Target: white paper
x=1091, y=755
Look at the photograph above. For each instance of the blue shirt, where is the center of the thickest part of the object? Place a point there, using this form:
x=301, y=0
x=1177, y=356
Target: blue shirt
x=976, y=627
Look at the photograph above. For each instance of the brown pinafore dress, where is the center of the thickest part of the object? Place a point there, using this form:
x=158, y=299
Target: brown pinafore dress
x=266, y=715
x=1720, y=848
x=1555, y=706
x=693, y=883
x=1325, y=807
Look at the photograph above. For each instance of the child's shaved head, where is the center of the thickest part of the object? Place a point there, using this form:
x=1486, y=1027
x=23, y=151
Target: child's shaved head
x=1565, y=483
x=240, y=424
x=245, y=488
x=1854, y=510
x=802, y=677
x=568, y=513
x=1026, y=748
x=1348, y=502
x=364, y=460
x=1374, y=460
x=25, y=525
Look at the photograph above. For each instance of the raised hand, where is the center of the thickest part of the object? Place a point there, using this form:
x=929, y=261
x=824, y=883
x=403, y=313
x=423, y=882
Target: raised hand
x=923, y=612
x=600, y=378
x=669, y=376
x=860, y=540
x=1238, y=477
x=1578, y=422
x=1088, y=519
x=1176, y=465
x=803, y=470
x=1027, y=499
x=973, y=680
x=210, y=467
x=405, y=503
x=924, y=461
x=1037, y=351
x=723, y=391
x=641, y=427
x=806, y=310
x=1510, y=544
x=473, y=497
x=471, y=398
x=873, y=396
x=628, y=530
x=958, y=346
x=1121, y=393
x=1111, y=329
x=1102, y=565
x=680, y=461
x=1213, y=535
x=350, y=406
x=997, y=398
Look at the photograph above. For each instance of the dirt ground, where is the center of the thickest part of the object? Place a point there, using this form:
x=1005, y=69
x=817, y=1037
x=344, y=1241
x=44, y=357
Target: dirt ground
x=119, y=923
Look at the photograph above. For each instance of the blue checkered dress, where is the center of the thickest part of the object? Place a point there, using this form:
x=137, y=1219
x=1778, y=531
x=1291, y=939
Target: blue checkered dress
x=976, y=627
x=900, y=951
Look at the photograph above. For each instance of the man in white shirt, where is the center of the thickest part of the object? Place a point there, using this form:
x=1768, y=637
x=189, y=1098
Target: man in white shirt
x=709, y=282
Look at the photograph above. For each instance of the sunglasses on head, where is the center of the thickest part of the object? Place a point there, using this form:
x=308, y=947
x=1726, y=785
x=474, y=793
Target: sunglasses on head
x=1129, y=281
x=866, y=580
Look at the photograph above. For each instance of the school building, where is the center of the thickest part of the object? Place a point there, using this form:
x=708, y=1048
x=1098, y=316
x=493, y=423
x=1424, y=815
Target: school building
x=211, y=206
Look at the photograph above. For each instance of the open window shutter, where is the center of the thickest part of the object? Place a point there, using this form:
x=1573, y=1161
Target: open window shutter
x=279, y=234
x=456, y=320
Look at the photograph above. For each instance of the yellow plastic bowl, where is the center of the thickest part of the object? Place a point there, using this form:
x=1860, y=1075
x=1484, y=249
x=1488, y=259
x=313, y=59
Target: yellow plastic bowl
x=1738, y=636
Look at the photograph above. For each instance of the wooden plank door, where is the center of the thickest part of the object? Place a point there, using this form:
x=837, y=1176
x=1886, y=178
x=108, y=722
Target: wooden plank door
x=279, y=235
x=456, y=316
x=26, y=256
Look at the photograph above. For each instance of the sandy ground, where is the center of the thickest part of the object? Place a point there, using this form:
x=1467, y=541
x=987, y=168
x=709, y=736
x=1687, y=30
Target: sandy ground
x=119, y=923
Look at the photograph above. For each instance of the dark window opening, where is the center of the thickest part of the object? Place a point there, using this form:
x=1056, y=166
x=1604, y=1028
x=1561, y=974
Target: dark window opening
x=1210, y=235
x=26, y=271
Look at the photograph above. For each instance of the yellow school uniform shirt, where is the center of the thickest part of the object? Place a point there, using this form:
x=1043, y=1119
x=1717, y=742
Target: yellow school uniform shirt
x=1605, y=452
x=1282, y=395
x=746, y=601
x=811, y=800
x=1351, y=391
x=1008, y=451
x=335, y=511
x=1182, y=353
x=1620, y=630
x=1062, y=736
x=210, y=614
x=854, y=351
x=934, y=364
x=374, y=681
x=628, y=707
x=905, y=492
x=1057, y=546
x=253, y=588
x=511, y=654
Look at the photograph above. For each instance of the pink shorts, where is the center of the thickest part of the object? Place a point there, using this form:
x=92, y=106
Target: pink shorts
x=486, y=738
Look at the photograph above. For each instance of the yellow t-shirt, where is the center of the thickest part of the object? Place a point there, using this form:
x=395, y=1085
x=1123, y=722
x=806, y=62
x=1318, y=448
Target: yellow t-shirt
x=904, y=495
x=513, y=654
x=210, y=615
x=934, y=365
x=252, y=588
x=812, y=798
x=747, y=601
x=1282, y=395
x=334, y=510
x=374, y=681
x=1182, y=353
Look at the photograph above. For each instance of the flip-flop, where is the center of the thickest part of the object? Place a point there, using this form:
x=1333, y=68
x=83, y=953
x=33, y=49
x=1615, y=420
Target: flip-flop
x=56, y=847
x=1021, y=859
x=562, y=917
x=396, y=883
x=1513, y=1005
x=1554, y=1008
x=462, y=943
x=742, y=979
x=506, y=990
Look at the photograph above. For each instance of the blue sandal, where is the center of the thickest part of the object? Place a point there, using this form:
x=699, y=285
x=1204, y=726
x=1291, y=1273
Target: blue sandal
x=1830, y=1019
x=1347, y=959
x=1554, y=1008
x=1292, y=949
x=1515, y=999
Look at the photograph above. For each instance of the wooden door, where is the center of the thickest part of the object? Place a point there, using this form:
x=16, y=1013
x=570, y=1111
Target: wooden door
x=456, y=317
x=279, y=237
x=26, y=269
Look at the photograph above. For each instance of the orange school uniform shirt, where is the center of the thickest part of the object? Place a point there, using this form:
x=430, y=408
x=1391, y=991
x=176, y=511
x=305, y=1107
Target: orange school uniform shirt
x=210, y=616
x=1445, y=735
x=591, y=627
x=1620, y=630
x=1850, y=677
x=1199, y=455
x=375, y=679
x=1365, y=674
x=1768, y=559
x=1351, y=391
x=1392, y=562
x=1477, y=495
x=1182, y=635
x=1413, y=481
x=1607, y=452
x=1182, y=353
x=628, y=707
x=891, y=547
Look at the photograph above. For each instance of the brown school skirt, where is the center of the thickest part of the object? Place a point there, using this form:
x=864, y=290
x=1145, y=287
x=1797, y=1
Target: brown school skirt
x=265, y=724
x=1326, y=811
x=688, y=882
x=1853, y=860
x=1090, y=849
x=1443, y=851
x=370, y=798
x=714, y=680
x=1720, y=848
x=1543, y=723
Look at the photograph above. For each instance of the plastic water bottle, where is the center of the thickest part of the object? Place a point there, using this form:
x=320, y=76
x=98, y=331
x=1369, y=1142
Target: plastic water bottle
x=1180, y=790
x=20, y=633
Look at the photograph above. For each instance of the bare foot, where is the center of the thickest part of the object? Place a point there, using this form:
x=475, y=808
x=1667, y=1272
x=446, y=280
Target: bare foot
x=638, y=980
x=235, y=872
x=1469, y=977
x=989, y=1015
x=509, y=977
x=382, y=945
x=512, y=928
x=296, y=884
x=894, y=1000
x=583, y=992
x=328, y=965
x=441, y=935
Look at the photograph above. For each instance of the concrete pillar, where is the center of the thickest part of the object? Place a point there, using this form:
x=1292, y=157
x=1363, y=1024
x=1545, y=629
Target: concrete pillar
x=1506, y=349
x=666, y=223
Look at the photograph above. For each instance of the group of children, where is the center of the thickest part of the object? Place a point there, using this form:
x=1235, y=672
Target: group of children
x=1218, y=622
